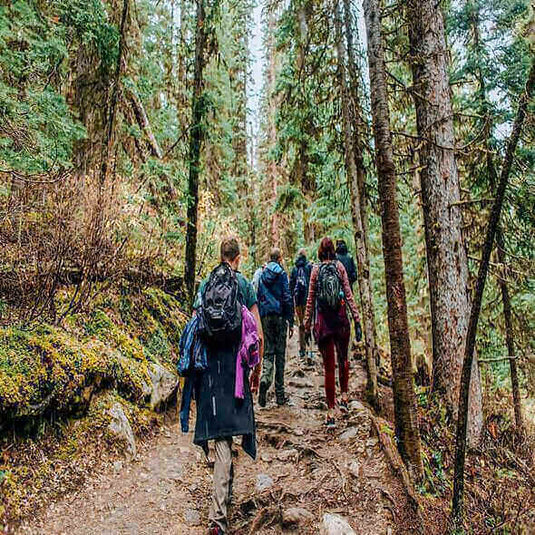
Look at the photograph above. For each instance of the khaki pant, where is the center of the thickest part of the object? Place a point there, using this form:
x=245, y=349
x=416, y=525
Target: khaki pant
x=223, y=476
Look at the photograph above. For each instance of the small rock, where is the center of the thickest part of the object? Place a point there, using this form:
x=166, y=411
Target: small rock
x=192, y=517
x=121, y=428
x=175, y=474
x=118, y=466
x=348, y=434
x=354, y=469
x=266, y=457
x=335, y=525
x=299, y=432
x=299, y=382
x=288, y=455
x=356, y=406
x=296, y=515
x=163, y=384
x=263, y=482
x=371, y=442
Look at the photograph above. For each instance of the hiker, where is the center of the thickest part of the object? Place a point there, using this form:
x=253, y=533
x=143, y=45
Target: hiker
x=256, y=277
x=222, y=392
x=328, y=294
x=276, y=310
x=299, y=283
x=342, y=254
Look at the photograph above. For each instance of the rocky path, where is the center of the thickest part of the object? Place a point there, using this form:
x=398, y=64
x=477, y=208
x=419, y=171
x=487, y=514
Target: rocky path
x=305, y=479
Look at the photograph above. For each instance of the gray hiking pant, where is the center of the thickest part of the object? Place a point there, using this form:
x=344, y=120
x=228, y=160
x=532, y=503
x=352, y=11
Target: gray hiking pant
x=223, y=476
x=275, y=329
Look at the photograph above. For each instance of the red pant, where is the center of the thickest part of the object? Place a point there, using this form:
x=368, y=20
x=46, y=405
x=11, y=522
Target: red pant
x=338, y=343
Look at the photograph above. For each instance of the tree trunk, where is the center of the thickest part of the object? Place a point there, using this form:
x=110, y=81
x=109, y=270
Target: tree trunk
x=494, y=219
x=195, y=144
x=272, y=169
x=447, y=262
x=406, y=415
x=238, y=82
x=107, y=148
x=359, y=128
x=493, y=179
x=366, y=298
x=144, y=124
x=509, y=337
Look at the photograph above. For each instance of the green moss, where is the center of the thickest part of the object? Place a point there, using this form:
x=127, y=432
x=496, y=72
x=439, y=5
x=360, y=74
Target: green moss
x=53, y=368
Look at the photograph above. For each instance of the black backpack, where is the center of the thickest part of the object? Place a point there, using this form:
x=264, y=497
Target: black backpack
x=220, y=310
x=301, y=286
x=329, y=292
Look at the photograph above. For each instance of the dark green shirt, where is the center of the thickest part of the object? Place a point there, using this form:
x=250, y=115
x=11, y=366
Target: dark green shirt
x=247, y=295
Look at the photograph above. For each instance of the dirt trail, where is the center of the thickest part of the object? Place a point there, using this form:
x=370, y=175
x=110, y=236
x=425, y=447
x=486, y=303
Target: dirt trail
x=166, y=490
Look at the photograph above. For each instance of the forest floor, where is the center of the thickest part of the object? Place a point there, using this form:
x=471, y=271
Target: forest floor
x=302, y=472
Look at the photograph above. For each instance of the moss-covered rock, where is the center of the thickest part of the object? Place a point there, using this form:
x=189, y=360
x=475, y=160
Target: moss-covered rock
x=53, y=368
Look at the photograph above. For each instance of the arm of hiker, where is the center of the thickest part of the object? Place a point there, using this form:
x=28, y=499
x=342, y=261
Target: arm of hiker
x=348, y=293
x=311, y=298
x=352, y=276
x=293, y=278
x=287, y=303
x=255, y=375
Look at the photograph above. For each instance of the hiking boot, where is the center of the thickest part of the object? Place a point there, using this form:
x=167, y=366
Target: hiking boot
x=343, y=407
x=330, y=423
x=282, y=401
x=262, y=394
x=302, y=353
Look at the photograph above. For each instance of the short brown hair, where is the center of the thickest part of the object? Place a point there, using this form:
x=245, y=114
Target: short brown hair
x=275, y=254
x=230, y=249
x=326, y=250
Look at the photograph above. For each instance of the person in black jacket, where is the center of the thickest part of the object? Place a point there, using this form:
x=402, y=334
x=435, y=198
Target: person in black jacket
x=342, y=254
x=299, y=283
x=220, y=415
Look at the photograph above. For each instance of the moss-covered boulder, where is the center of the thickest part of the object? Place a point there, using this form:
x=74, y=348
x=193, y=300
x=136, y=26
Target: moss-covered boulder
x=126, y=343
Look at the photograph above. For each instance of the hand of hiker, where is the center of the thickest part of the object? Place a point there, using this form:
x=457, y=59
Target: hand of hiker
x=358, y=331
x=254, y=381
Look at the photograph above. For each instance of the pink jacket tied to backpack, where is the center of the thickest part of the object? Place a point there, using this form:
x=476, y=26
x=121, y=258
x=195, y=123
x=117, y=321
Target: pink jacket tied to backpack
x=248, y=353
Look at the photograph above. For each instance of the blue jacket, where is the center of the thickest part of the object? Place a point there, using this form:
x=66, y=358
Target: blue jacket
x=274, y=297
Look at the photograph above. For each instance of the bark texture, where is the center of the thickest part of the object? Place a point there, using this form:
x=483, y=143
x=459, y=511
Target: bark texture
x=195, y=144
x=272, y=167
x=462, y=424
x=365, y=289
x=144, y=123
x=447, y=262
x=406, y=416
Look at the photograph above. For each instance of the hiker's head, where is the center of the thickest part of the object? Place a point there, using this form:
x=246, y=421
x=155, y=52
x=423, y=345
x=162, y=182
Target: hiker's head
x=326, y=250
x=341, y=247
x=275, y=255
x=230, y=252
x=302, y=252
